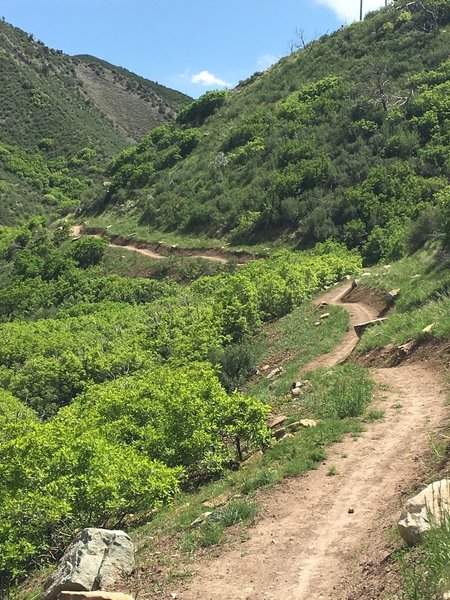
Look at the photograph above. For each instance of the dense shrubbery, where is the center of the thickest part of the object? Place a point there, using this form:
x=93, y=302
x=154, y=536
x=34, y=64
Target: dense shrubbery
x=347, y=139
x=198, y=111
x=126, y=373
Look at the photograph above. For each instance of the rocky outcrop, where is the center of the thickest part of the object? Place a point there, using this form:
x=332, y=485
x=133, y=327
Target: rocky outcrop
x=96, y=560
x=424, y=511
x=361, y=328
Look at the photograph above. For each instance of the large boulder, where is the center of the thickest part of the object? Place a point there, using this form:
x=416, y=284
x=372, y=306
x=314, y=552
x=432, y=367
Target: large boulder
x=96, y=560
x=425, y=511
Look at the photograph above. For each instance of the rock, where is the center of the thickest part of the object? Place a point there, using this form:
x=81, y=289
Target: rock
x=351, y=511
x=394, y=294
x=253, y=458
x=300, y=384
x=295, y=392
x=217, y=501
x=347, y=277
x=323, y=305
x=317, y=323
x=324, y=316
x=279, y=434
x=93, y=596
x=97, y=558
x=424, y=510
x=277, y=421
x=308, y=423
x=427, y=330
x=360, y=329
x=275, y=372
x=286, y=436
x=265, y=368
x=201, y=519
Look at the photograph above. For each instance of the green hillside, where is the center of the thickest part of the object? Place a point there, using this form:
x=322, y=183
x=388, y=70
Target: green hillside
x=49, y=112
x=347, y=138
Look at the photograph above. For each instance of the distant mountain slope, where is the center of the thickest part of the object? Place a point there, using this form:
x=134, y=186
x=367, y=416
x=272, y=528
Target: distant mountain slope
x=47, y=94
x=55, y=130
x=134, y=103
x=346, y=139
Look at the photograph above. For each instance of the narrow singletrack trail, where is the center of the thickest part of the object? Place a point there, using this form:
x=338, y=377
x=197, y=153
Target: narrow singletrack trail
x=77, y=230
x=306, y=544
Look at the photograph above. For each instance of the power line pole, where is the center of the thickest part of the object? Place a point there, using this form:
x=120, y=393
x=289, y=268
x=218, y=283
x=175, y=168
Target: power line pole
x=361, y=11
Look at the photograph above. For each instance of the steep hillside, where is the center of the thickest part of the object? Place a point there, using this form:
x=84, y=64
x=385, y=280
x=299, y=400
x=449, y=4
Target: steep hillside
x=133, y=103
x=347, y=138
x=55, y=133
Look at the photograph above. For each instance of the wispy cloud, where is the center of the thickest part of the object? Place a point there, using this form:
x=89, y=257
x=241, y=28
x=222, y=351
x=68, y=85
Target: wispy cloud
x=349, y=9
x=207, y=79
x=266, y=60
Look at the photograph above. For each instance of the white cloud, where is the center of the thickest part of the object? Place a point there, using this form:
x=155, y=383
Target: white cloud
x=349, y=9
x=266, y=60
x=207, y=79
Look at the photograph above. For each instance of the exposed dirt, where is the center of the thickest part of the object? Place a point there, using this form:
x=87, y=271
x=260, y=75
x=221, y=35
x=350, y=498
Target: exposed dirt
x=432, y=352
x=379, y=301
x=159, y=251
x=306, y=544
x=359, y=313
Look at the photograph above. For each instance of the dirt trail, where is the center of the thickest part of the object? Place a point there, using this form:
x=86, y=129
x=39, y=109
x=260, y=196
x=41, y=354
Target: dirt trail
x=77, y=230
x=306, y=545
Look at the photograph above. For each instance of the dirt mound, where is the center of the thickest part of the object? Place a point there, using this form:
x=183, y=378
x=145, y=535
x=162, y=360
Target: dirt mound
x=431, y=352
x=381, y=302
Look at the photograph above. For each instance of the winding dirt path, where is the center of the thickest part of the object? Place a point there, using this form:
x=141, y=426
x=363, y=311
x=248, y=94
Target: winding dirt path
x=77, y=230
x=306, y=544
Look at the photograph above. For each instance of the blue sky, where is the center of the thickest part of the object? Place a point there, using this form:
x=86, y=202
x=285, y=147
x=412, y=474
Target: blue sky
x=190, y=45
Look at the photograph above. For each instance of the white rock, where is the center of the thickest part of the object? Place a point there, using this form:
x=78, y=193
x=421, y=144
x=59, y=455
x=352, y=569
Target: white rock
x=96, y=559
x=275, y=372
x=424, y=511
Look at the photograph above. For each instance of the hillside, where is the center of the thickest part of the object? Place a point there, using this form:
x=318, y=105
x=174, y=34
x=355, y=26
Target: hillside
x=231, y=339
x=347, y=138
x=133, y=103
x=50, y=110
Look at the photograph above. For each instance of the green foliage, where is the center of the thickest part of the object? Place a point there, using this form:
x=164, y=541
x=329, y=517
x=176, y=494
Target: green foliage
x=57, y=477
x=424, y=280
x=159, y=150
x=182, y=417
x=342, y=392
x=88, y=251
x=197, y=112
x=322, y=145
x=425, y=569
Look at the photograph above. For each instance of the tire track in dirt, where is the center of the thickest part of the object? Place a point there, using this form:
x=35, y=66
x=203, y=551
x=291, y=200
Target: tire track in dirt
x=306, y=545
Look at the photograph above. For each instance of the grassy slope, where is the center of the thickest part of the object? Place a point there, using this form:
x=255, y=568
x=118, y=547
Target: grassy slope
x=424, y=281
x=195, y=197
x=46, y=111
x=133, y=103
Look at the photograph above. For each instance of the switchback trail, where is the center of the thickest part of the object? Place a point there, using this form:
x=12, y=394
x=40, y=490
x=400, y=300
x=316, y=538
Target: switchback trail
x=306, y=544
x=210, y=255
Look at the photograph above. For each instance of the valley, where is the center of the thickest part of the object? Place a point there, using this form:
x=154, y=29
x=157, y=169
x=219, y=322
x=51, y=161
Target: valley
x=225, y=321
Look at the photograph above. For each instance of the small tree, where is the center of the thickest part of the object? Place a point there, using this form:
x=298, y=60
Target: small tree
x=88, y=251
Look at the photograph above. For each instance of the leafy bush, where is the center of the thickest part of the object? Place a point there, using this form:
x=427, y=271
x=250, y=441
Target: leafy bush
x=88, y=251
x=198, y=111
